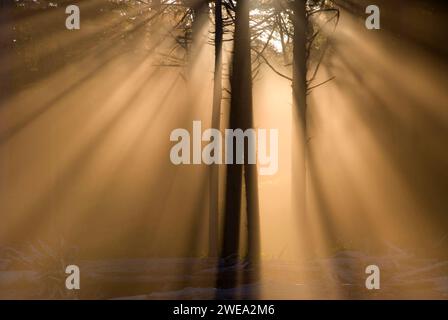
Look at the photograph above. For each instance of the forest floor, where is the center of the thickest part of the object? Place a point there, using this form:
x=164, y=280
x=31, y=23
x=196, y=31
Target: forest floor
x=341, y=276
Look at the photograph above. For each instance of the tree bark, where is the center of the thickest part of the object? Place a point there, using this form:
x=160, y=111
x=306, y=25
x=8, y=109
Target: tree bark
x=241, y=116
x=216, y=117
x=299, y=105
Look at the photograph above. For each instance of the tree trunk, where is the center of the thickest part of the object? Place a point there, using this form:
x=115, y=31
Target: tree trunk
x=299, y=126
x=299, y=153
x=241, y=116
x=216, y=117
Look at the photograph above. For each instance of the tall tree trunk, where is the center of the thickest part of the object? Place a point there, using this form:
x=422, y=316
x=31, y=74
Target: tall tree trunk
x=299, y=106
x=216, y=117
x=299, y=125
x=241, y=116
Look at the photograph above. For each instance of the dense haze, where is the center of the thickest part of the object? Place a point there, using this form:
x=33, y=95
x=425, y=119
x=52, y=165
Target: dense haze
x=86, y=115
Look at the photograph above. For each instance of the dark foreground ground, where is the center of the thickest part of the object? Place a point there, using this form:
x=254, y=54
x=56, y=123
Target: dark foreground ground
x=339, y=277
